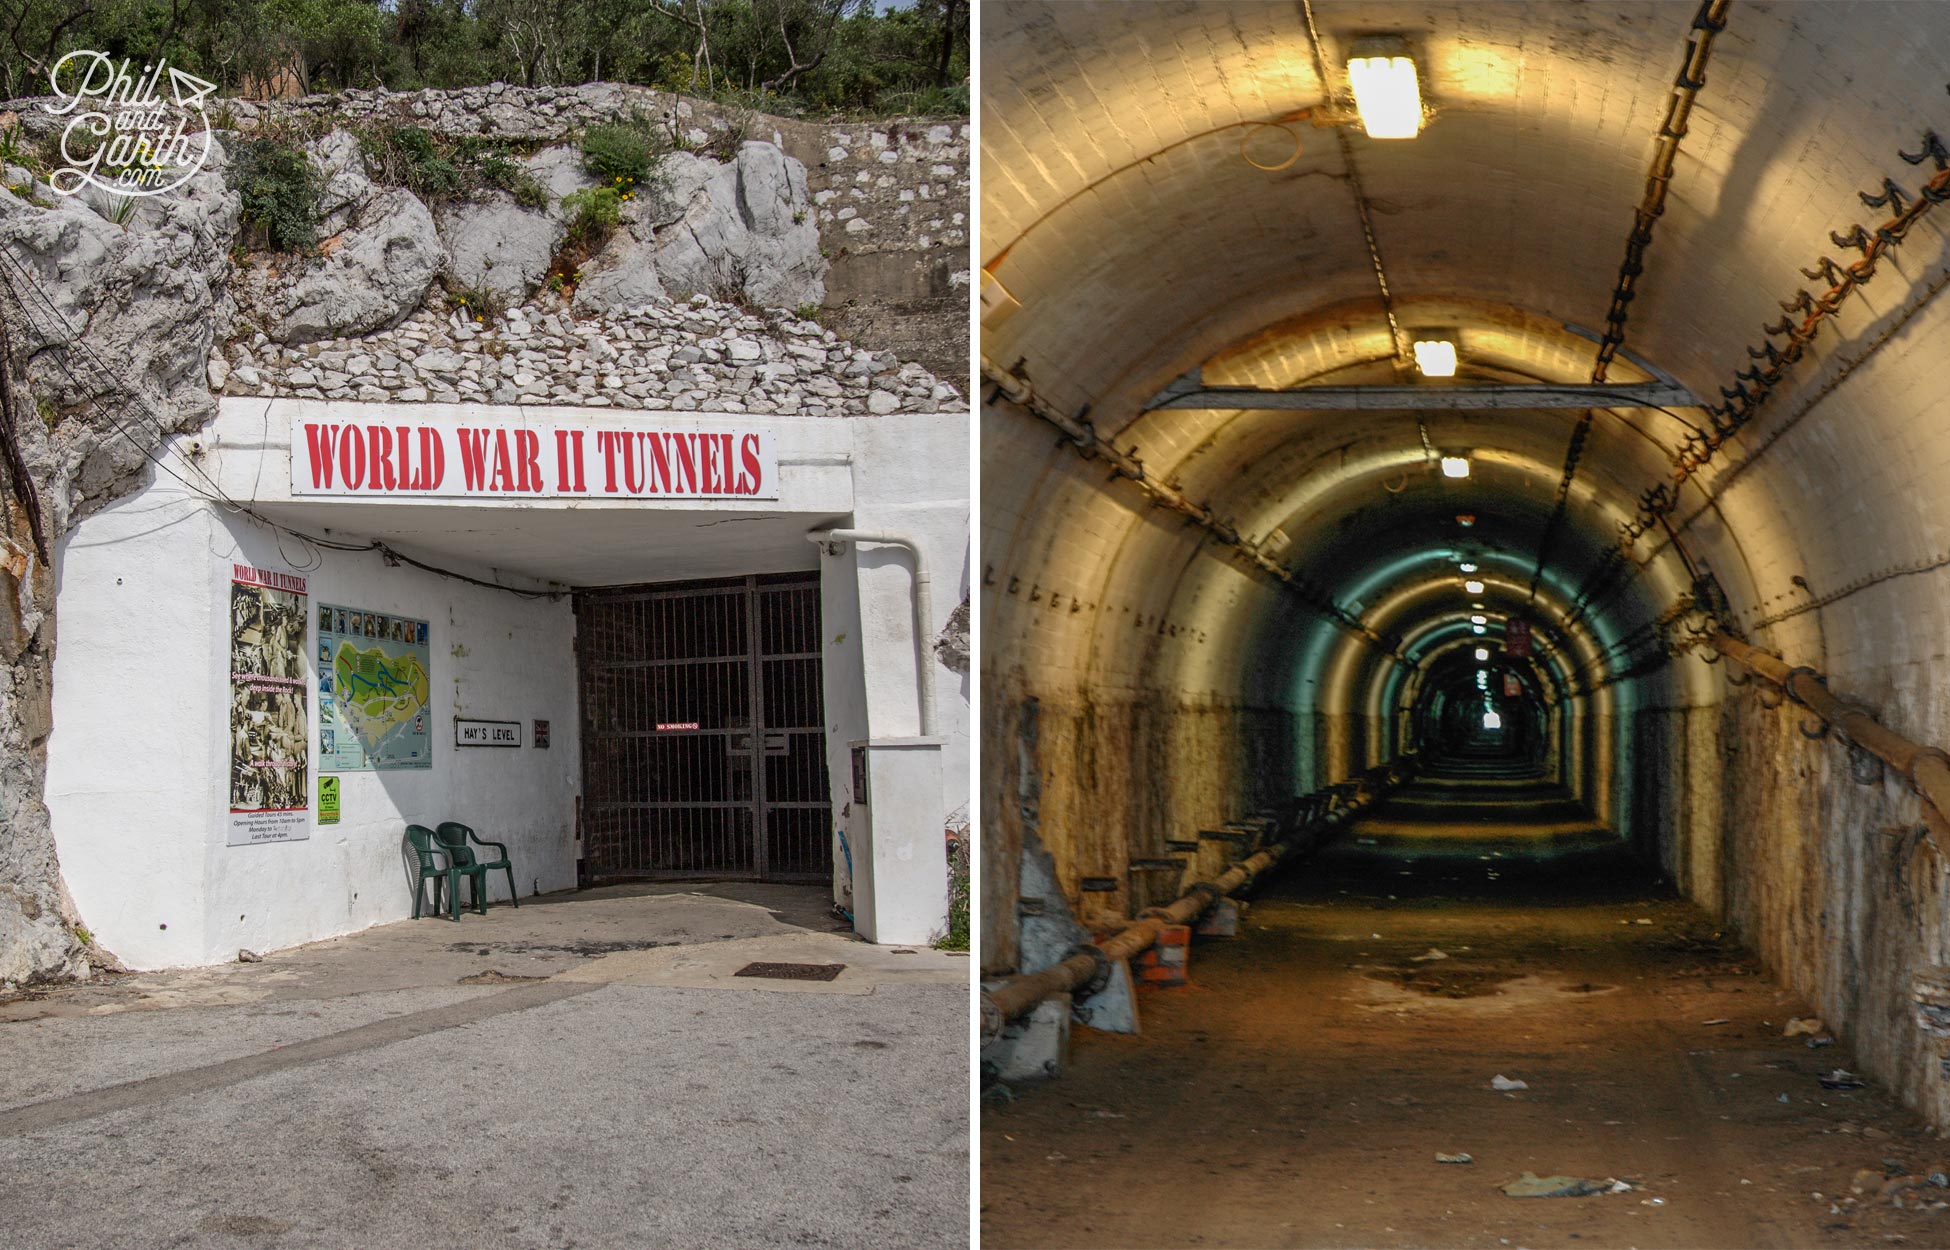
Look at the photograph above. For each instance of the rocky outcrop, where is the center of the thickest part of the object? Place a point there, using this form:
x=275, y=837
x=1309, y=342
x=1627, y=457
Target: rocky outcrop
x=494, y=244
x=378, y=256
x=740, y=231
x=111, y=324
x=368, y=277
x=951, y=644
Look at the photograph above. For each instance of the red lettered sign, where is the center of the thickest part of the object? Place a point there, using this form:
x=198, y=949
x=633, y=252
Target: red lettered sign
x=540, y=458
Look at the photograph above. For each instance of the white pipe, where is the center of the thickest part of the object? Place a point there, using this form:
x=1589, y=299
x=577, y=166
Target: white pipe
x=923, y=607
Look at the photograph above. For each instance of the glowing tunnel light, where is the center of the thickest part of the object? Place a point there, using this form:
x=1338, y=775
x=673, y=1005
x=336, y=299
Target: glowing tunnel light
x=1482, y=653
x=1492, y=720
x=1479, y=620
x=1467, y=566
x=1472, y=588
x=1477, y=629
x=1435, y=358
x=1387, y=95
x=1455, y=466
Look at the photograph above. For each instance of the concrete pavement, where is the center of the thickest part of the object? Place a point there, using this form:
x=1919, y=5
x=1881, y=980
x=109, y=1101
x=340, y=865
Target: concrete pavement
x=584, y=1071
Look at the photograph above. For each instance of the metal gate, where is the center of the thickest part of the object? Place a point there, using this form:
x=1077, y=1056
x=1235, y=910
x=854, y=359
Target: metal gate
x=703, y=730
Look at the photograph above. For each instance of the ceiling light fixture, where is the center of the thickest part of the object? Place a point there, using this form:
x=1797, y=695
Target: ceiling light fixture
x=1473, y=588
x=1478, y=620
x=1435, y=358
x=1467, y=566
x=1477, y=629
x=1386, y=92
x=1482, y=653
x=1455, y=466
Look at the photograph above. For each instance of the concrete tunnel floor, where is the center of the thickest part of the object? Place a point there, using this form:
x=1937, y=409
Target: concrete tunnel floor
x=1297, y=1091
x=582, y=1071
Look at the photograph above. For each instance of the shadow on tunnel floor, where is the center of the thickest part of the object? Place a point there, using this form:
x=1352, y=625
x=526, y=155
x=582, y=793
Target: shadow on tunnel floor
x=1511, y=846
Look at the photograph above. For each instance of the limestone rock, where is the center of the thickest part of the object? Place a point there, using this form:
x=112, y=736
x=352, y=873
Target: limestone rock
x=746, y=231
x=366, y=278
x=346, y=187
x=495, y=244
x=619, y=278
x=951, y=644
x=560, y=172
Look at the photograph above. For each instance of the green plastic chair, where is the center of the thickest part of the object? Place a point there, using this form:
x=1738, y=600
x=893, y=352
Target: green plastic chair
x=454, y=838
x=427, y=845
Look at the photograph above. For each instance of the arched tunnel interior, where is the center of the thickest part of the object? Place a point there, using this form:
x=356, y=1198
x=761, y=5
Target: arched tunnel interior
x=1242, y=543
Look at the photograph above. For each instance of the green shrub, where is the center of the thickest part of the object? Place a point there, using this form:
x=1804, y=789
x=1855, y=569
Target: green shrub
x=594, y=213
x=958, y=931
x=477, y=303
x=414, y=158
x=622, y=154
x=498, y=170
x=529, y=192
x=280, y=193
x=17, y=149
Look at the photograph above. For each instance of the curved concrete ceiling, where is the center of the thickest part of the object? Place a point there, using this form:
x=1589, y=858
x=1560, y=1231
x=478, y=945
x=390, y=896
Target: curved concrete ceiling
x=1121, y=212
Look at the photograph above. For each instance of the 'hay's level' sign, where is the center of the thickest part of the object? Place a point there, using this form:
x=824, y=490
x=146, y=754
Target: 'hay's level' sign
x=535, y=460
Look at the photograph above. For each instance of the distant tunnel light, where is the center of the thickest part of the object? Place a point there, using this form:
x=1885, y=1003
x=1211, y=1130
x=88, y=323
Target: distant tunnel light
x=1387, y=95
x=1435, y=358
x=1467, y=567
x=1482, y=653
x=1492, y=720
x=1477, y=629
x=1455, y=466
x=1478, y=620
x=1472, y=587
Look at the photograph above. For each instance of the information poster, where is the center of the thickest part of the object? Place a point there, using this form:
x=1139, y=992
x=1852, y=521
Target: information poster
x=374, y=678
x=269, y=737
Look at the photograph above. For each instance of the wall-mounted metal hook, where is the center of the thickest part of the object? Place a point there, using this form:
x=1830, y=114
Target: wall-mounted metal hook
x=1891, y=197
x=1932, y=149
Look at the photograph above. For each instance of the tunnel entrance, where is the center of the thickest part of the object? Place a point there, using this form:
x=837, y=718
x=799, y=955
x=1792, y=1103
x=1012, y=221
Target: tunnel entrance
x=704, y=730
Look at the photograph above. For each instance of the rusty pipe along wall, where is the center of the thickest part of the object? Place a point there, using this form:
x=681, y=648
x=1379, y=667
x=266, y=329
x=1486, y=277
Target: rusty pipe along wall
x=1086, y=970
x=1927, y=768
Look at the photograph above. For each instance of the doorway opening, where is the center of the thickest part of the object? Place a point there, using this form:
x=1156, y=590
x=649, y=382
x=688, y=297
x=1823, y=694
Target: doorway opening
x=704, y=730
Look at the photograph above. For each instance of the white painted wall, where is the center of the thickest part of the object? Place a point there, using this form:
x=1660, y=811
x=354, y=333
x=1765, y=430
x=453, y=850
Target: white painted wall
x=910, y=478
x=140, y=749
x=131, y=787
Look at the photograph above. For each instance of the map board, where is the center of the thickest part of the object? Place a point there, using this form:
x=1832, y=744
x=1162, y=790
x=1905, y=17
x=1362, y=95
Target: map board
x=374, y=678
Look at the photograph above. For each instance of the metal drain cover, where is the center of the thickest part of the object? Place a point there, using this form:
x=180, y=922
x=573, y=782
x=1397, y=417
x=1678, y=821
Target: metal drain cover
x=792, y=972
